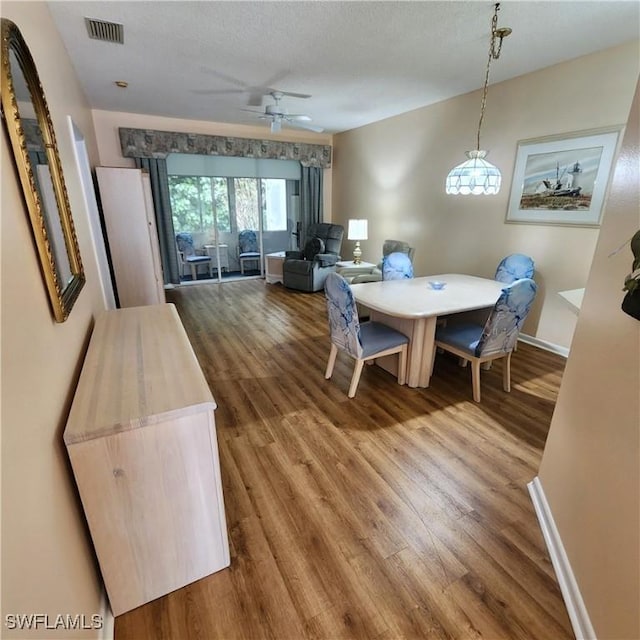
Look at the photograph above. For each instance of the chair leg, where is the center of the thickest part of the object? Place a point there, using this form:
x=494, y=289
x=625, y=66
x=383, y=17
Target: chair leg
x=194, y=272
x=402, y=364
x=475, y=379
x=506, y=373
x=357, y=370
x=332, y=361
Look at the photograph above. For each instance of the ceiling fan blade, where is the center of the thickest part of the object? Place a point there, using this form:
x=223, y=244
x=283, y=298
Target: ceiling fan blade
x=261, y=113
x=212, y=92
x=255, y=97
x=276, y=126
x=224, y=76
x=289, y=93
x=300, y=117
x=308, y=127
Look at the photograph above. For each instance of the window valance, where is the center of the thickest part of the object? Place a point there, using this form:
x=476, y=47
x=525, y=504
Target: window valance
x=148, y=143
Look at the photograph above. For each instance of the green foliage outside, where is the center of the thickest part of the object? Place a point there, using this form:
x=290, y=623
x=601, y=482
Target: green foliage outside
x=235, y=199
x=192, y=203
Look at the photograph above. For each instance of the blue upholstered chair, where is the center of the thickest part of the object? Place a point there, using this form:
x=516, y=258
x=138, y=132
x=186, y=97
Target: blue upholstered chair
x=514, y=267
x=498, y=336
x=357, y=275
x=187, y=256
x=362, y=342
x=397, y=266
x=248, y=250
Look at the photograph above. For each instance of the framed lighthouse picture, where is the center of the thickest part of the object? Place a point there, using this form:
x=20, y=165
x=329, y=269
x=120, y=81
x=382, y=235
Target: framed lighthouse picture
x=563, y=179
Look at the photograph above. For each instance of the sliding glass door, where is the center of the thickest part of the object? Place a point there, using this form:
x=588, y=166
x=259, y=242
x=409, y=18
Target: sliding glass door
x=236, y=221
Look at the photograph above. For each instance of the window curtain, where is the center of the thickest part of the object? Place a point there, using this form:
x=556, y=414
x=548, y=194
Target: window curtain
x=311, y=205
x=157, y=169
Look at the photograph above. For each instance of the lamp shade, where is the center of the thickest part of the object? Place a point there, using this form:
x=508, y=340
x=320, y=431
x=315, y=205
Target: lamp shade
x=475, y=177
x=357, y=230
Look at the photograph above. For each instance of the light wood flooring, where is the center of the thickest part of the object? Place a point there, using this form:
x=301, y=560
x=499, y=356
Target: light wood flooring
x=402, y=513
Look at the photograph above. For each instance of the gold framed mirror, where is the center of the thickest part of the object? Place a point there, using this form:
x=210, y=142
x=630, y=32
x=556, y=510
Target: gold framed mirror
x=28, y=123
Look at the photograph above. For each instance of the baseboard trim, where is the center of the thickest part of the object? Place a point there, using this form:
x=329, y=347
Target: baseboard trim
x=108, y=631
x=543, y=344
x=576, y=609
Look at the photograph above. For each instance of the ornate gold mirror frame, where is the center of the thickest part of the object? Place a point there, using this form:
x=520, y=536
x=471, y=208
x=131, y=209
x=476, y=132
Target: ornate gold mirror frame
x=28, y=123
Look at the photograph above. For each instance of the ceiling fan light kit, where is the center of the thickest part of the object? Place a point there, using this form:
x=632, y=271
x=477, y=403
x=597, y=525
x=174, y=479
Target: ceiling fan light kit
x=476, y=176
x=277, y=114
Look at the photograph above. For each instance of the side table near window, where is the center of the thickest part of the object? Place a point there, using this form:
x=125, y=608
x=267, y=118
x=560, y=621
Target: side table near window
x=350, y=264
x=274, y=267
x=348, y=269
x=224, y=255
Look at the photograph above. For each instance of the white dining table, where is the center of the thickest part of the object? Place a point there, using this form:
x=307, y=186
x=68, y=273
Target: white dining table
x=413, y=307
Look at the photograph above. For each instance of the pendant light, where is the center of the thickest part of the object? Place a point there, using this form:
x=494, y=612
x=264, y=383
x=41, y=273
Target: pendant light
x=476, y=176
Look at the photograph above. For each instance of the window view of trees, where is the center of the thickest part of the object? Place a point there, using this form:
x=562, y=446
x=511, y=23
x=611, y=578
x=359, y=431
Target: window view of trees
x=246, y=193
x=197, y=202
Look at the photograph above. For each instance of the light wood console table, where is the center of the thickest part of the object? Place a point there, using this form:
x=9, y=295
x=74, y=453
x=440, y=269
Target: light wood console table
x=141, y=437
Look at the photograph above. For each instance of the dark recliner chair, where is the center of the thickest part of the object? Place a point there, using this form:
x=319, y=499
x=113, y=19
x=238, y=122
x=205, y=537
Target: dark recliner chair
x=307, y=270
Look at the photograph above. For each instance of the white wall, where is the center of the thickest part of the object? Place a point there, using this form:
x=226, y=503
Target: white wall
x=590, y=470
x=393, y=172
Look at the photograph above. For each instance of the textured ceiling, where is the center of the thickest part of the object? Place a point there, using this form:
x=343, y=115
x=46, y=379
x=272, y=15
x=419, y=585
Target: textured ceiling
x=360, y=61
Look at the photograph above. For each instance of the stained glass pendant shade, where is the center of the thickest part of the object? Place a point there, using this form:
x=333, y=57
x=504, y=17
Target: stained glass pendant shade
x=477, y=176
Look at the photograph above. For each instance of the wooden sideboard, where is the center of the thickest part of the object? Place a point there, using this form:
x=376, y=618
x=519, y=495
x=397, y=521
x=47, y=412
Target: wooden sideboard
x=141, y=438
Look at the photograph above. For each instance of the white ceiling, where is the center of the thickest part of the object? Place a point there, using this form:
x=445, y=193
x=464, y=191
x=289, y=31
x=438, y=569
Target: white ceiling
x=360, y=61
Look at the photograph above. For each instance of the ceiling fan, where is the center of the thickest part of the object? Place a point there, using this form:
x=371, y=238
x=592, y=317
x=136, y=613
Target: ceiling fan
x=256, y=92
x=277, y=114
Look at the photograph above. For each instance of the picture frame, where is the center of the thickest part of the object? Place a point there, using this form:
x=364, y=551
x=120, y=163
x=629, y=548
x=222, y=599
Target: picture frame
x=562, y=179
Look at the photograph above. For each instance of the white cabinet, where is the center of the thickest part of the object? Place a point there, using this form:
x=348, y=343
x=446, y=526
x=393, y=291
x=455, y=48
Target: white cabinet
x=274, y=262
x=132, y=237
x=143, y=448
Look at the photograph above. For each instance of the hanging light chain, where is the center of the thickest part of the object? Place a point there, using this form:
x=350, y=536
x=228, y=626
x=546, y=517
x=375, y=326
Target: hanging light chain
x=494, y=54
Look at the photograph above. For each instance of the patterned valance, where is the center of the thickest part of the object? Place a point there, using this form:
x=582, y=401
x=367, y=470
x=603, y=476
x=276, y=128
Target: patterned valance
x=148, y=143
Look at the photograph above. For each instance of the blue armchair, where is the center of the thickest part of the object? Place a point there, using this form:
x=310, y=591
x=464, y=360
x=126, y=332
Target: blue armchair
x=187, y=256
x=248, y=250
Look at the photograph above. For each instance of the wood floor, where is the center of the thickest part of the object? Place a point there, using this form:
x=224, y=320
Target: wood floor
x=402, y=513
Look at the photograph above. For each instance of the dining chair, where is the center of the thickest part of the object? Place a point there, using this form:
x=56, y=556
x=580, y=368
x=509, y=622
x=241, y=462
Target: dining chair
x=187, y=256
x=397, y=266
x=514, y=267
x=248, y=249
x=357, y=275
x=497, y=338
x=362, y=342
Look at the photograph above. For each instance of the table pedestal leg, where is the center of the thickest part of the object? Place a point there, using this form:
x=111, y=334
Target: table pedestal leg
x=421, y=334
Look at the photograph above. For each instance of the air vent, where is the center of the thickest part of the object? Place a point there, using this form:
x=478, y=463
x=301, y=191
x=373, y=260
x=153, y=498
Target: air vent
x=106, y=31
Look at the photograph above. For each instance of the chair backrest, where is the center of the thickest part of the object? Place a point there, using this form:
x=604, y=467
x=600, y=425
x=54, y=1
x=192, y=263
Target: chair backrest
x=507, y=317
x=397, y=266
x=248, y=241
x=515, y=267
x=395, y=246
x=330, y=234
x=344, y=325
x=184, y=242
